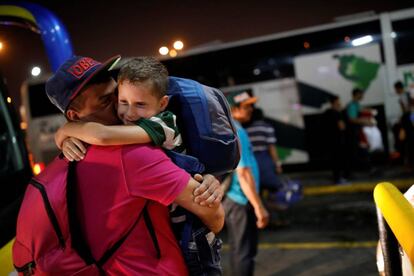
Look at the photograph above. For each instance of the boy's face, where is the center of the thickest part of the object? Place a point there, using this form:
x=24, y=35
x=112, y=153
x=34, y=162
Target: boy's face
x=137, y=101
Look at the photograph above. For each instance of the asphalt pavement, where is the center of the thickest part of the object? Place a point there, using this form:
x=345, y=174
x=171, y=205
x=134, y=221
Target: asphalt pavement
x=331, y=231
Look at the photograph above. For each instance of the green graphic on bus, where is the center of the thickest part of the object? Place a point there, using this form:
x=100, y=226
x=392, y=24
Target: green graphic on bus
x=357, y=70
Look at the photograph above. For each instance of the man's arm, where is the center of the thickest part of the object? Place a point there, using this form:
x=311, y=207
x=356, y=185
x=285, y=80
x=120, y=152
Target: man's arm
x=275, y=157
x=212, y=217
x=98, y=134
x=247, y=184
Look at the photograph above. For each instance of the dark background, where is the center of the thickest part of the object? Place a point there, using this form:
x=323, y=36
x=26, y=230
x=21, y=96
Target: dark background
x=101, y=29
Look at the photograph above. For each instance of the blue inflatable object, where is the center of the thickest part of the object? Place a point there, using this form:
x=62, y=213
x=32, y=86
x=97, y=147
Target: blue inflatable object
x=54, y=35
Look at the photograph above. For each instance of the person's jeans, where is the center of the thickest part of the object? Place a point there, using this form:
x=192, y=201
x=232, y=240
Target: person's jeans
x=203, y=253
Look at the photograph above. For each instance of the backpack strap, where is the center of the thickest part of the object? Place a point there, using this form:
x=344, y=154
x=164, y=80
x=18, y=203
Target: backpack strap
x=186, y=162
x=118, y=244
x=78, y=242
x=152, y=233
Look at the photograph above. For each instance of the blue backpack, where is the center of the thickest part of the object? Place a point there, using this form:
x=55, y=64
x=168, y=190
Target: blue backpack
x=211, y=143
x=204, y=119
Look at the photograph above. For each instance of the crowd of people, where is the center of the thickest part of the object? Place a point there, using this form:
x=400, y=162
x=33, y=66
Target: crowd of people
x=352, y=136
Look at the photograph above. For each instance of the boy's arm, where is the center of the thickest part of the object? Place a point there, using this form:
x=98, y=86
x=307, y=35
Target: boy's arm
x=98, y=134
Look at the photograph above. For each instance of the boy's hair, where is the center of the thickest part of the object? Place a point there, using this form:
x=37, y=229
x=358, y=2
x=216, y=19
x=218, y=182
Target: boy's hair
x=145, y=69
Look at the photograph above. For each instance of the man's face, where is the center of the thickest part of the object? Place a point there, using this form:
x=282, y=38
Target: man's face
x=399, y=90
x=359, y=96
x=336, y=104
x=98, y=104
x=137, y=101
x=242, y=113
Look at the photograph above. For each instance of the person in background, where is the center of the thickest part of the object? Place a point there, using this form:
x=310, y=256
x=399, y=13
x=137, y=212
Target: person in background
x=407, y=107
x=335, y=142
x=358, y=155
x=263, y=139
x=244, y=210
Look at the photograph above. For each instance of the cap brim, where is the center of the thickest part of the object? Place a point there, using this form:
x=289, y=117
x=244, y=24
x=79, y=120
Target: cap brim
x=249, y=101
x=105, y=66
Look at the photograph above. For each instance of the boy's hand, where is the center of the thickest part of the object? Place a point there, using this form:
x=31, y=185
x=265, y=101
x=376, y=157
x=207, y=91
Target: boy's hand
x=73, y=149
x=60, y=137
x=208, y=192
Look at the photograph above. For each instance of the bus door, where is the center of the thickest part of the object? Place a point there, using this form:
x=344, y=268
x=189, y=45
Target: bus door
x=42, y=119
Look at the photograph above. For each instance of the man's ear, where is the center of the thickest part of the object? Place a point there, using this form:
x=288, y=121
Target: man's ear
x=72, y=115
x=164, y=102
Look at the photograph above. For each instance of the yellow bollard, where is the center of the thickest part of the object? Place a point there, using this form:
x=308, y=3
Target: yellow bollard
x=6, y=264
x=398, y=213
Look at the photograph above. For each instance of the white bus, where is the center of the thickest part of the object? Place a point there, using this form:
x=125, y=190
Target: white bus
x=295, y=73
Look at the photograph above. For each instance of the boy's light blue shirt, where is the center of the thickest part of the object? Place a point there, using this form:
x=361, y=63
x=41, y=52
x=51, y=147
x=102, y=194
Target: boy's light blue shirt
x=247, y=160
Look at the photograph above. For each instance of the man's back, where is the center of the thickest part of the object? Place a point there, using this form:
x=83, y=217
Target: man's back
x=114, y=185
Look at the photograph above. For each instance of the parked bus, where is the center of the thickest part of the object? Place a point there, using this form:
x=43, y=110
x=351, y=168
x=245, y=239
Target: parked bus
x=295, y=73
x=15, y=169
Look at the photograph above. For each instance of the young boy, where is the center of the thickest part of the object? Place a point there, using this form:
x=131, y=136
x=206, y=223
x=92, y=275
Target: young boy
x=142, y=100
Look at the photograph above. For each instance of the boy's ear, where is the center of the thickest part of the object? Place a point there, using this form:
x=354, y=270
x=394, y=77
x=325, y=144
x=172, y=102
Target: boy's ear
x=72, y=115
x=164, y=102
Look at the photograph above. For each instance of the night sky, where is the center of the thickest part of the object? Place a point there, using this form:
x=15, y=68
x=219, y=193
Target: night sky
x=101, y=29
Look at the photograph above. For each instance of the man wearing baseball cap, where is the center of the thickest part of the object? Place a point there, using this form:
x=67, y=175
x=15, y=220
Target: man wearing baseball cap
x=245, y=212
x=116, y=182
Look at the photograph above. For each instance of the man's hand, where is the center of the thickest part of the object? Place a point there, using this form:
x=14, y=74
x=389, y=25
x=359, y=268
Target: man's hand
x=208, y=192
x=262, y=217
x=73, y=149
x=278, y=166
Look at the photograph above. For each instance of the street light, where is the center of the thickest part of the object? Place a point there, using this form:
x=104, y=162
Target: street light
x=173, y=53
x=36, y=71
x=164, y=50
x=178, y=45
x=1, y=45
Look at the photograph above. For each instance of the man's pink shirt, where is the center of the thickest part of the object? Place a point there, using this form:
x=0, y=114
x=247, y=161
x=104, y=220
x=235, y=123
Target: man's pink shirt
x=115, y=183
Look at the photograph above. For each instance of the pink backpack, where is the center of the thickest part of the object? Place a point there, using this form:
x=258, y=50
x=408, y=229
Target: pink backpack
x=48, y=237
